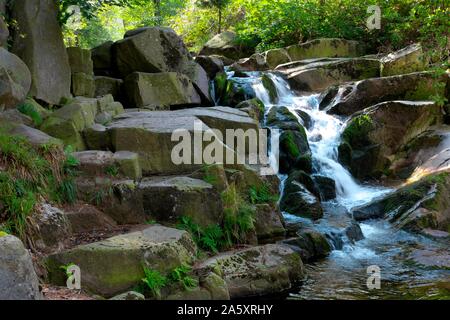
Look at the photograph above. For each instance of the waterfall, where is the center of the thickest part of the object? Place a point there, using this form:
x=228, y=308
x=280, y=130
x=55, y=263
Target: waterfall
x=323, y=137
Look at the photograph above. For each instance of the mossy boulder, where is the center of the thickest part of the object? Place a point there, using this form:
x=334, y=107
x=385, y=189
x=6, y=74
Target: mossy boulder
x=275, y=57
x=269, y=223
x=230, y=92
x=269, y=85
x=300, y=197
x=310, y=244
x=116, y=264
x=372, y=138
x=406, y=60
x=257, y=271
x=254, y=107
x=325, y=47
x=283, y=118
x=416, y=206
x=326, y=187
x=107, y=85
x=83, y=85
x=294, y=151
x=226, y=44
x=160, y=89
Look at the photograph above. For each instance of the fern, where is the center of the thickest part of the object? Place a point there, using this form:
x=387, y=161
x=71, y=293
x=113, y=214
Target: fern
x=155, y=281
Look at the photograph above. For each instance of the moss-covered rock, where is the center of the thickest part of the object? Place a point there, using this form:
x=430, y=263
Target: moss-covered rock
x=371, y=138
x=294, y=151
x=310, y=244
x=225, y=44
x=116, y=264
x=420, y=205
x=325, y=47
x=269, y=223
x=275, y=57
x=406, y=60
x=230, y=92
x=269, y=85
x=257, y=271
x=254, y=107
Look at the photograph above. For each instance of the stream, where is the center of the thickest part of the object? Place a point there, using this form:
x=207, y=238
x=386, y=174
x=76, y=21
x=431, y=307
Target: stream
x=343, y=274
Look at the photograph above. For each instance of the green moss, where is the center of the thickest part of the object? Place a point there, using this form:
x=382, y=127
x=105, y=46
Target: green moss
x=291, y=146
x=3, y=234
x=356, y=132
x=29, y=110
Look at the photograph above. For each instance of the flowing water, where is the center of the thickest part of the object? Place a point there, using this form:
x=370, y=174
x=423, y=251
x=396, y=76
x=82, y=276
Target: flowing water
x=343, y=275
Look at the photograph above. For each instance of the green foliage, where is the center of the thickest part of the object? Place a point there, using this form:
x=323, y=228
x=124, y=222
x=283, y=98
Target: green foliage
x=262, y=194
x=209, y=238
x=112, y=170
x=29, y=175
x=65, y=268
x=181, y=275
x=155, y=281
x=29, y=110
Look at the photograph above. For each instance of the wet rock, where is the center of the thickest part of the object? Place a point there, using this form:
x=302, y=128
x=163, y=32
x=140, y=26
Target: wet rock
x=230, y=92
x=254, y=107
x=211, y=65
x=257, y=271
x=406, y=60
x=18, y=280
x=225, y=44
x=160, y=89
x=311, y=245
x=170, y=198
x=417, y=206
x=357, y=96
x=300, y=201
x=294, y=151
x=354, y=232
x=256, y=62
x=371, y=138
x=269, y=85
x=431, y=258
x=46, y=57
x=15, y=80
x=283, y=118
x=325, y=186
x=116, y=264
x=305, y=118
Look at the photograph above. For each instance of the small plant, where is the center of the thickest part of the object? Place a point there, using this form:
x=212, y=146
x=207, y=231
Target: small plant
x=28, y=109
x=181, y=275
x=150, y=222
x=261, y=194
x=155, y=281
x=112, y=170
x=209, y=238
x=65, y=268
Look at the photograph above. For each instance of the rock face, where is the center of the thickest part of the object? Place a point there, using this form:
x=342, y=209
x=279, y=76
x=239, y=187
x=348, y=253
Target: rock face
x=160, y=89
x=46, y=57
x=102, y=59
x=357, y=96
x=269, y=223
x=225, y=44
x=170, y=198
x=407, y=60
x=310, y=244
x=317, y=76
x=116, y=264
x=81, y=65
x=421, y=205
x=372, y=138
x=211, y=65
x=18, y=280
x=15, y=80
x=257, y=271
x=107, y=85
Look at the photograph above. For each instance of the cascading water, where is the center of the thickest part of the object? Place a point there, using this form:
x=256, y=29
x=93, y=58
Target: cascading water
x=344, y=273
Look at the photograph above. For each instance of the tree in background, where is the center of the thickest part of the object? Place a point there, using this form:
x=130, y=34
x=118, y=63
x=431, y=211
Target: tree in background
x=219, y=5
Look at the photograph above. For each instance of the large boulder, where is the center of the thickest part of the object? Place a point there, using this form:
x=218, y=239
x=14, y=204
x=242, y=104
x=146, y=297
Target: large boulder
x=46, y=57
x=156, y=49
x=160, y=89
x=310, y=244
x=211, y=65
x=269, y=223
x=353, y=97
x=406, y=60
x=80, y=60
x=15, y=80
x=325, y=47
x=83, y=85
x=225, y=44
x=115, y=265
x=167, y=199
x=146, y=131
x=18, y=280
x=372, y=138
x=275, y=57
x=417, y=206
x=107, y=85
x=257, y=271
x=317, y=76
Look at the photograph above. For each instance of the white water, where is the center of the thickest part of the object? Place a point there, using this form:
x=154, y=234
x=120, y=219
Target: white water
x=324, y=138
